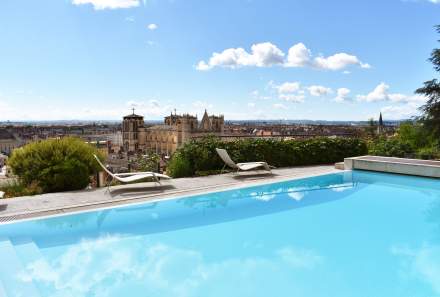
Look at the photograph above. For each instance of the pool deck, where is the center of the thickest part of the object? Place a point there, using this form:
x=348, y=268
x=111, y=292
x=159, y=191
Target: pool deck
x=68, y=202
x=426, y=168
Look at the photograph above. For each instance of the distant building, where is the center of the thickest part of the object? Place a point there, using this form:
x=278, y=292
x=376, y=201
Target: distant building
x=380, y=127
x=3, y=159
x=9, y=142
x=168, y=137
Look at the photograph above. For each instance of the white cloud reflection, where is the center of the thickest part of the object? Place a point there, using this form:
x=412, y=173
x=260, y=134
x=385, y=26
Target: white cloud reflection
x=420, y=263
x=115, y=266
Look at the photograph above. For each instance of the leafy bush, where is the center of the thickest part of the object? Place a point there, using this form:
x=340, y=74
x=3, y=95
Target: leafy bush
x=428, y=153
x=415, y=135
x=179, y=166
x=200, y=155
x=146, y=162
x=16, y=188
x=392, y=147
x=55, y=165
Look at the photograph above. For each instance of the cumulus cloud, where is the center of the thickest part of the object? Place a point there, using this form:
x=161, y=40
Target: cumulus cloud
x=397, y=112
x=342, y=95
x=338, y=62
x=294, y=92
x=318, y=91
x=299, y=56
x=288, y=87
x=152, y=27
x=262, y=55
x=267, y=54
x=289, y=91
x=381, y=93
x=108, y=4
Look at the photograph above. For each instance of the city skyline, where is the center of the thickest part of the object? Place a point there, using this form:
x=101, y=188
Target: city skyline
x=248, y=60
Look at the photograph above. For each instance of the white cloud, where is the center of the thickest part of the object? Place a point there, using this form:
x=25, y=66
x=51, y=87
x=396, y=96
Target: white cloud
x=342, y=95
x=289, y=91
x=338, y=62
x=130, y=19
x=318, y=91
x=280, y=106
x=262, y=55
x=288, y=87
x=152, y=27
x=299, y=56
x=267, y=54
x=251, y=104
x=296, y=98
x=398, y=112
x=381, y=93
x=108, y=4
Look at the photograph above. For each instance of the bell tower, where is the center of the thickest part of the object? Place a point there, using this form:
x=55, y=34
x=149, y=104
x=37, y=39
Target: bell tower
x=131, y=125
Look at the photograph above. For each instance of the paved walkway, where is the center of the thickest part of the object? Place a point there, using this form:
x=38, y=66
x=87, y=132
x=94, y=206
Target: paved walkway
x=66, y=202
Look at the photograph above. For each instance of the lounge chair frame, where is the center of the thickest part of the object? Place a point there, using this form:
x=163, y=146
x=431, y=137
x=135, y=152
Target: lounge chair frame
x=125, y=178
x=249, y=166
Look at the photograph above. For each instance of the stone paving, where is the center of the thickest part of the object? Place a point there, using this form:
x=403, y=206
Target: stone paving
x=66, y=202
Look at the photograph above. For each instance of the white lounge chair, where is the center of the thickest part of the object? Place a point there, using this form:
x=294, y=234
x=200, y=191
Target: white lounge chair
x=242, y=166
x=130, y=176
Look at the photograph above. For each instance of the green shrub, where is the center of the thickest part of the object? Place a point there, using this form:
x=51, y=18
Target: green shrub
x=415, y=135
x=200, y=155
x=148, y=162
x=179, y=166
x=55, y=165
x=428, y=153
x=392, y=147
x=16, y=188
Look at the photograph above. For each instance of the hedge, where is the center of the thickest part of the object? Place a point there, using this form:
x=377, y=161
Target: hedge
x=200, y=155
x=390, y=147
x=55, y=165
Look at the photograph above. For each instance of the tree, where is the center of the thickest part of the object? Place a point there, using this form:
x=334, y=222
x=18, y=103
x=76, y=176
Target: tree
x=371, y=128
x=431, y=89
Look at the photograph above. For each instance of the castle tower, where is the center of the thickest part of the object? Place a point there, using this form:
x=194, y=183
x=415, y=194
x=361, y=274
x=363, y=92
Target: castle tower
x=131, y=125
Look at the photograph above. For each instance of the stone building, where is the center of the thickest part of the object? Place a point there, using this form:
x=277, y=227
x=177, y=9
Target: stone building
x=9, y=141
x=132, y=128
x=169, y=136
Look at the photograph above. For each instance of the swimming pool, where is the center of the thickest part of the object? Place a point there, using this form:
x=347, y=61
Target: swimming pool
x=345, y=234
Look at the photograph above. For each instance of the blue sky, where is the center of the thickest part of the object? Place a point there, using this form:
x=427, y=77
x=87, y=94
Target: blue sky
x=246, y=59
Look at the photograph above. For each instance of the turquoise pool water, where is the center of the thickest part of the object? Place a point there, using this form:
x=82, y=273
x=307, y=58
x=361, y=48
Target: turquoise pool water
x=345, y=234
